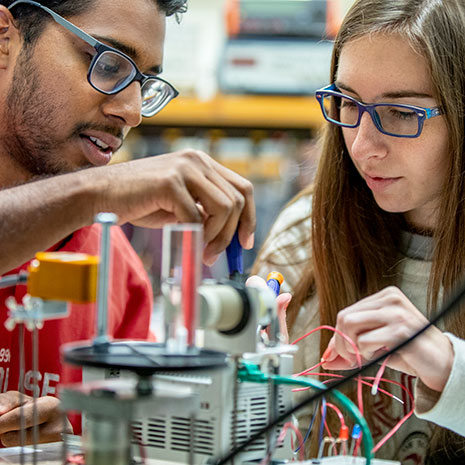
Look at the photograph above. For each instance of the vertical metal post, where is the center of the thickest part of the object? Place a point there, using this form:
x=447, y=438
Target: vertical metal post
x=235, y=404
x=22, y=420
x=107, y=220
x=272, y=438
x=36, y=394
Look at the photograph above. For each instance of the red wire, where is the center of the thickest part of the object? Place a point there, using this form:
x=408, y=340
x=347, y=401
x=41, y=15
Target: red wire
x=402, y=420
x=338, y=412
x=384, y=380
x=340, y=376
x=378, y=376
x=308, y=370
x=376, y=380
x=283, y=433
x=357, y=356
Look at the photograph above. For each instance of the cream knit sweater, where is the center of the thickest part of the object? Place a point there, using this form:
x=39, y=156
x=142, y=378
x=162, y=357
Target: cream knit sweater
x=287, y=250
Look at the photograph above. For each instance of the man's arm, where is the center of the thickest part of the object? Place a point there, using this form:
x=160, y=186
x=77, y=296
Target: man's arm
x=186, y=186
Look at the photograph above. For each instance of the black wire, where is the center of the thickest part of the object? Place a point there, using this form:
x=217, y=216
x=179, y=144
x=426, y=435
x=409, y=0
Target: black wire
x=450, y=305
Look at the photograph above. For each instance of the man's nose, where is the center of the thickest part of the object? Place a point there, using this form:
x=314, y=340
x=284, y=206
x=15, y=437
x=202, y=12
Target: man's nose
x=369, y=141
x=126, y=105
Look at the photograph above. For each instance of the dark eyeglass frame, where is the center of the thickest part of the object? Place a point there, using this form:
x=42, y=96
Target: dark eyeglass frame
x=101, y=48
x=422, y=113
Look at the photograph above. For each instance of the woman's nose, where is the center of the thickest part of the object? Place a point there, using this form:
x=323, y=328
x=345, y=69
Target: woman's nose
x=367, y=141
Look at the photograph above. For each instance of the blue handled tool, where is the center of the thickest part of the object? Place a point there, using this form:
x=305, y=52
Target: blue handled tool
x=235, y=262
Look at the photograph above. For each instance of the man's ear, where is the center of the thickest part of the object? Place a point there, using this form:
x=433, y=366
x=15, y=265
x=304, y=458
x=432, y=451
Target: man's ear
x=9, y=36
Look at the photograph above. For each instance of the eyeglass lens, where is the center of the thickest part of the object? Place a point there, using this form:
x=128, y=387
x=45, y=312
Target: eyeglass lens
x=392, y=119
x=112, y=72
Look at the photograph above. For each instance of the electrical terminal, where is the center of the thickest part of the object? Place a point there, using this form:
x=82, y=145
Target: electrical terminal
x=356, y=433
x=343, y=438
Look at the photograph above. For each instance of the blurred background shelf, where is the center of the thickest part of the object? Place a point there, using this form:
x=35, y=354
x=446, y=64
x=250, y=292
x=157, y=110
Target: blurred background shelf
x=247, y=111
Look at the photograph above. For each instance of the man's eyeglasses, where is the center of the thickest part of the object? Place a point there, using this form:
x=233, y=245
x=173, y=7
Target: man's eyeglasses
x=396, y=120
x=111, y=71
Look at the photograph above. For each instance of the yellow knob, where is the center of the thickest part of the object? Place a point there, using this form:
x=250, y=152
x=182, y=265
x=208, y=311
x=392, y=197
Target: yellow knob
x=275, y=275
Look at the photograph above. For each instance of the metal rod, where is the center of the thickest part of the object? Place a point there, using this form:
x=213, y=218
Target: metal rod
x=235, y=403
x=273, y=393
x=35, y=392
x=22, y=423
x=107, y=220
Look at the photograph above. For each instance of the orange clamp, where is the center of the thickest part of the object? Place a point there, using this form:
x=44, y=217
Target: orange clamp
x=64, y=276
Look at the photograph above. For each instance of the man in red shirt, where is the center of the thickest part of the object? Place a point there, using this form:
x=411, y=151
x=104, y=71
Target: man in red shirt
x=70, y=91
x=129, y=305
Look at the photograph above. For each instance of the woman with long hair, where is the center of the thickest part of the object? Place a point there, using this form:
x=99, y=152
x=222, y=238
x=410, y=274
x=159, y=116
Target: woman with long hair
x=385, y=215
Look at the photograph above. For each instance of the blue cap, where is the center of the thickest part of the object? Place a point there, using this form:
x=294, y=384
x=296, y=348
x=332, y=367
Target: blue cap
x=356, y=431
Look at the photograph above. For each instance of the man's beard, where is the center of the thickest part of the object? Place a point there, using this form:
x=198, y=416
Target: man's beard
x=31, y=118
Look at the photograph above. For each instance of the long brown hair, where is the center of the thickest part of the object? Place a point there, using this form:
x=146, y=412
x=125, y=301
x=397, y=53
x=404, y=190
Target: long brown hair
x=354, y=242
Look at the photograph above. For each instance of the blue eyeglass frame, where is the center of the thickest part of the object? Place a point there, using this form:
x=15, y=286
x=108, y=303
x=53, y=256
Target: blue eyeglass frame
x=100, y=48
x=422, y=113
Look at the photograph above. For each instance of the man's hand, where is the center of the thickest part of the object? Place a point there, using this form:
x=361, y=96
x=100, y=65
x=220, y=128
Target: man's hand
x=49, y=419
x=380, y=322
x=187, y=186
x=183, y=187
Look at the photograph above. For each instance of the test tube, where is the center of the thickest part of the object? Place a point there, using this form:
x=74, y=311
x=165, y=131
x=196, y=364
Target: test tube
x=181, y=274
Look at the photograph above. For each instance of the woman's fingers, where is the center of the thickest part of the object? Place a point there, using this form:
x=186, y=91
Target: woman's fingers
x=379, y=323
x=256, y=281
x=348, y=321
x=283, y=301
x=339, y=363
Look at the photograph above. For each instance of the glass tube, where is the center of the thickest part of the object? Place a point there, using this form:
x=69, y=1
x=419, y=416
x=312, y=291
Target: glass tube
x=181, y=274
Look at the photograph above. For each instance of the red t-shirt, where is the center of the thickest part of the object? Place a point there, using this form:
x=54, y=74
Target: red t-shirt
x=129, y=311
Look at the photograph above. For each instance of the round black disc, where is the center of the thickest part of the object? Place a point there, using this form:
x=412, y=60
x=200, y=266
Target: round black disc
x=143, y=358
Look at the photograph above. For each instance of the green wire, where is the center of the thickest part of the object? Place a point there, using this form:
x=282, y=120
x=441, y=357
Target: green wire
x=249, y=372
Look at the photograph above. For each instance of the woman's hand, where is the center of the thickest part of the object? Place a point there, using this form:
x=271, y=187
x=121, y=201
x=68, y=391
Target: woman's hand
x=282, y=302
x=380, y=322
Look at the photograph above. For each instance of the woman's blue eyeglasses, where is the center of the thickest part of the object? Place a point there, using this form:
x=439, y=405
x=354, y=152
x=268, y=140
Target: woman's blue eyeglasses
x=396, y=120
x=111, y=71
